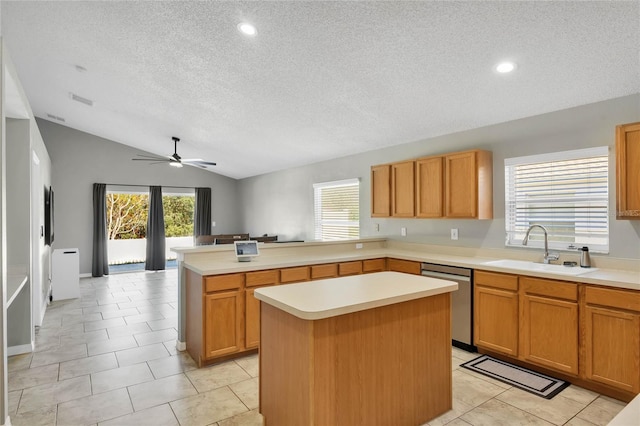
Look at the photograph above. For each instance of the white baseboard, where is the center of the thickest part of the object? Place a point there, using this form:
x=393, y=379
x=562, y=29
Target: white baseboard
x=86, y=275
x=20, y=349
x=181, y=346
x=7, y=421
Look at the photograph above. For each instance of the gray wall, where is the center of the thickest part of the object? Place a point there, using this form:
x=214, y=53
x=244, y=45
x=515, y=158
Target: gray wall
x=80, y=159
x=282, y=202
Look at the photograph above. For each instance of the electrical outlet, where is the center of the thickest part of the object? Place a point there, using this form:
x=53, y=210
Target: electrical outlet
x=454, y=233
x=213, y=224
x=403, y=231
x=358, y=245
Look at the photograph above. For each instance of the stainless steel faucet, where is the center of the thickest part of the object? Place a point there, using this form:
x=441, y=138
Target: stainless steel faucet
x=547, y=257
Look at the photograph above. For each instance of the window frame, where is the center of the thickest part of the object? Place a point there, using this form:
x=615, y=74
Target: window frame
x=319, y=222
x=596, y=230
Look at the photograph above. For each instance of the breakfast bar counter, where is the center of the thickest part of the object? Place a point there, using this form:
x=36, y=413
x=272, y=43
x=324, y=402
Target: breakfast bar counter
x=363, y=349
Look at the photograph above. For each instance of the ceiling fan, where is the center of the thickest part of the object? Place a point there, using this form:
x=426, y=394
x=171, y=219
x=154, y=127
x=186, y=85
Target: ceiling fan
x=175, y=160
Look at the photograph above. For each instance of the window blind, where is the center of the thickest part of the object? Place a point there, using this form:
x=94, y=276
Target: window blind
x=566, y=192
x=337, y=210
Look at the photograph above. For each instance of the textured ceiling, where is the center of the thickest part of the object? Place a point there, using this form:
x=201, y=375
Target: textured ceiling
x=320, y=80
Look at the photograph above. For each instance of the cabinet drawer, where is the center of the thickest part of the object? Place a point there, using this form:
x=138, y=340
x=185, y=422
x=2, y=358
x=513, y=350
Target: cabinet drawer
x=223, y=282
x=330, y=270
x=374, y=265
x=622, y=299
x=406, y=266
x=350, y=268
x=550, y=288
x=262, y=277
x=492, y=279
x=292, y=275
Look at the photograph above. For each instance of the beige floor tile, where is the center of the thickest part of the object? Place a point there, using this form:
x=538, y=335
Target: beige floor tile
x=216, y=376
x=471, y=390
x=601, y=411
x=169, y=366
x=69, y=319
x=149, y=316
x=95, y=408
x=142, y=354
x=45, y=343
x=160, y=336
x=171, y=347
x=247, y=391
x=162, y=415
x=578, y=394
x=120, y=313
x=558, y=410
x=120, y=377
x=128, y=330
x=97, y=325
x=459, y=408
x=19, y=362
x=498, y=413
x=250, y=364
x=54, y=393
x=101, y=308
x=208, y=407
x=457, y=422
x=160, y=391
x=163, y=324
x=577, y=421
x=462, y=354
x=92, y=364
x=30, y=377
x=111, y=345
x=14, y=401
x=44, y=416
x=250, y=418
x=62, y=354
x=75, y=339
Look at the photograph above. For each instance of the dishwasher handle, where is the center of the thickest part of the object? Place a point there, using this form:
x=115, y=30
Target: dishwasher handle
x=445, y=276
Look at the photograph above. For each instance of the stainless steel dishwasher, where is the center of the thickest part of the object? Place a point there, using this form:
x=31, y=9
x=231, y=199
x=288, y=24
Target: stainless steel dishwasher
x=461, y=302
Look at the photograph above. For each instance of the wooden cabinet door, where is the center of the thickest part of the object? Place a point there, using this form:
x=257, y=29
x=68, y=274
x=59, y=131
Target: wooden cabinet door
x=252, y=319
x=429, y=187
x=402, y=189
x=461, y=194
x=328, y=270
x=406, y=266
x=549, y=332
x=350, y=268
x=628, y=171
x=495, y=319
x=223, y=323
x=612, y=348
x=381, y=191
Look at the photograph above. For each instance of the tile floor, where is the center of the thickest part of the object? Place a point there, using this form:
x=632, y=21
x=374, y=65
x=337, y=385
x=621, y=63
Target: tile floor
x=109, y=359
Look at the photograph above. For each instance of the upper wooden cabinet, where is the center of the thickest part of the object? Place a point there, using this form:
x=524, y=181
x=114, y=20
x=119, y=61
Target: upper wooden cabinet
x=457, y=185
x=402, y=189
x=468, y=190
x=628, y=171
x=381, y=191
x=429, y=187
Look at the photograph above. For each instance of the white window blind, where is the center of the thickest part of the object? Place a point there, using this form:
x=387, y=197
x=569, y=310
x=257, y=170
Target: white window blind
x=337, y=209
x=566, y=192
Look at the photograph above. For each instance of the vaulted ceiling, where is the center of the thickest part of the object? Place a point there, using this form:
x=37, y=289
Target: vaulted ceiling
x=319, y=80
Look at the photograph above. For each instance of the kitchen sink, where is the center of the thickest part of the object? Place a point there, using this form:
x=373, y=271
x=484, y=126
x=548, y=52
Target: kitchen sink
x=524, y=265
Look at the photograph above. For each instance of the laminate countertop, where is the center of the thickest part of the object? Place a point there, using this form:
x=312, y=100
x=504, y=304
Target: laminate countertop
x=344, y=295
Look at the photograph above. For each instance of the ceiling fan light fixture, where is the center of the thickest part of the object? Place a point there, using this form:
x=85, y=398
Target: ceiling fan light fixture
x=505, y=67
x=247, y=29
x=175, y=164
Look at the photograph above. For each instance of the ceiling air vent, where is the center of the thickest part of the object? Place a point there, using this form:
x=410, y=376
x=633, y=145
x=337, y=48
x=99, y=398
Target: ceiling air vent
x=55, y=117
x=82, y=100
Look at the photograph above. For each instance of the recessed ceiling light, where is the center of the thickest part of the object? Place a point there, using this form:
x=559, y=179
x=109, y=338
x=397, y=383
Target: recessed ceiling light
x=247, y=28
x=505, y=67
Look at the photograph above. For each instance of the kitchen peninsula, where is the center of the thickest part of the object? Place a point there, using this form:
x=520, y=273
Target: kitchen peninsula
x=363, y=349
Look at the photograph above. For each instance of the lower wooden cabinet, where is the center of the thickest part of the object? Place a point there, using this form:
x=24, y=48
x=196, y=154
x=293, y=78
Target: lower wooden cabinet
x=327, y=270
x=496, y=312
x=406, y=266
x=374, y=265
x=611, y=320
x=549, y=324
x=350, y=268
x=223, y=323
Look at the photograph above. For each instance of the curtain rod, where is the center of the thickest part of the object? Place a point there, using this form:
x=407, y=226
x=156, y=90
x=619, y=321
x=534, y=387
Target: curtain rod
x=163, y=186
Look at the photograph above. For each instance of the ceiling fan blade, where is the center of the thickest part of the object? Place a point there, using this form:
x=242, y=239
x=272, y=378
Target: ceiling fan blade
x=200, y=162
x=150, y=159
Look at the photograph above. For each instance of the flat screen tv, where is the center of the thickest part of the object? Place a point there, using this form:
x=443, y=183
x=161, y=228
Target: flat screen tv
x=48, y=215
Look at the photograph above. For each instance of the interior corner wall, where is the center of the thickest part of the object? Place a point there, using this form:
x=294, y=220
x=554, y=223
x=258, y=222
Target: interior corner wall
x=80, y=159
x=281, y=203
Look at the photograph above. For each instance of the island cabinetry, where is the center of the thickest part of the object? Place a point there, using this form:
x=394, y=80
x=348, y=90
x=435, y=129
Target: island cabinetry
x=611, y=324
x=406, y=266
x=496, y=312
x=469, y=185
x=549, y=323
x=374, y=265
x=429, y=187
x=628, y=171
x=402, y=189
x=381, y=190
x=252, y=305
x=295, y=275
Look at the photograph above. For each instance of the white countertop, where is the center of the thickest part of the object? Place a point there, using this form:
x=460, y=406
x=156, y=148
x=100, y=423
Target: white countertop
x=226, y=263
x=338, y=296
x=629, y=416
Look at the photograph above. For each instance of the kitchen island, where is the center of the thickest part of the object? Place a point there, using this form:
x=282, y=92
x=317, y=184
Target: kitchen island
x=364, y=349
